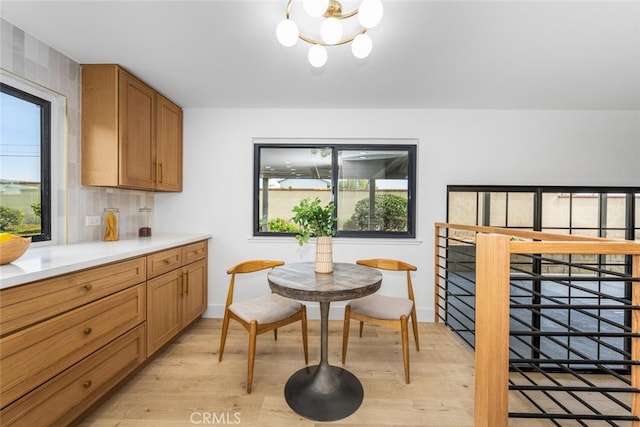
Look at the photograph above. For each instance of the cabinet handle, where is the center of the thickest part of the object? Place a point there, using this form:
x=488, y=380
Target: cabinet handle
x=160, y=180
x=155, y=166
x=87, y=384
x=186, y=275
x=166, y=261
x=87, y=331
x=88, y=286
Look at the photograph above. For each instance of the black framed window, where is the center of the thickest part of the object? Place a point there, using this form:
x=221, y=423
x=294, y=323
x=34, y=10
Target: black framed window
x=25, y=164
x=610, y=212
x=372, y=186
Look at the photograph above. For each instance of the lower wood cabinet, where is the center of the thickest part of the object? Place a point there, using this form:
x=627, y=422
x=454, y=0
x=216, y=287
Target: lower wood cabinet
x=60, y=400
x=33, y=355
x=99, y=326
x=194, y=291
x=176, y=298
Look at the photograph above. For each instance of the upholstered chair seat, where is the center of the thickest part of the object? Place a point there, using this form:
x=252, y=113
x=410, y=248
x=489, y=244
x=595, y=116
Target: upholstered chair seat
x=382, y=307
x=260, y=314
x=265, y=309
x=387, y=311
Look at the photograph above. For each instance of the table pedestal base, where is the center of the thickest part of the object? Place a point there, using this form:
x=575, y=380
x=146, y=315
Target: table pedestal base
x=324, y=392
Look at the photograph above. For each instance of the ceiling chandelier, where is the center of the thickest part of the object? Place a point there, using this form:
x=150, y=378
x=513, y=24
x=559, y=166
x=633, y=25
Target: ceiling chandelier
x=331, y=30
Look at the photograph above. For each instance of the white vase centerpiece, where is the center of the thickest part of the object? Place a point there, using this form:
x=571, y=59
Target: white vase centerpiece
x=314, y=220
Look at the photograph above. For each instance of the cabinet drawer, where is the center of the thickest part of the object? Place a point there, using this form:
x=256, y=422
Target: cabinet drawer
x=33, y=355
x=164, y=261
x=194, y=252
x=28, y=304
x=66, y=396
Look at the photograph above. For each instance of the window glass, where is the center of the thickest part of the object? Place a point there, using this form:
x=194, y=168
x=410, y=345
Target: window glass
x=24, y=164
x=616, y=210
x=373, y=190
x=585, y=211
x=372, y=186
x=520, y=210
x=463, y=208
x=498, y=210
x=555, y=211
x=286, y=176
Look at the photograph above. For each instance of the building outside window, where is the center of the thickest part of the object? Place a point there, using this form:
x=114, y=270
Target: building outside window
x=25, y=180
x=372, y=186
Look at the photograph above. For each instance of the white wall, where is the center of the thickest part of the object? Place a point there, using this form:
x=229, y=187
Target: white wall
x=455, y=147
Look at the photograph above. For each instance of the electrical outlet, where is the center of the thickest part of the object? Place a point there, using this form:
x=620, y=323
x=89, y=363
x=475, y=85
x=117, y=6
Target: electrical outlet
x=92, y=220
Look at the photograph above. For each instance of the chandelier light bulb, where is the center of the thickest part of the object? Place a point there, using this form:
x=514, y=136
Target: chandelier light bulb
x=370, y=13
x=317, y=55
x=331, y=31
x=315, y=8
x=287, y=32
x=327, y=29
x=361, y=46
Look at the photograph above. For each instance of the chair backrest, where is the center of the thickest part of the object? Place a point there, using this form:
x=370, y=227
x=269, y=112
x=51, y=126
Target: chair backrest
x=253, y=265
x=387, y=264
x=248, y=267
x=392, y=265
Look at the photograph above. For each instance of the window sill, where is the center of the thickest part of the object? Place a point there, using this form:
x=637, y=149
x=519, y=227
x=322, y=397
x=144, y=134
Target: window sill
x=339, y=241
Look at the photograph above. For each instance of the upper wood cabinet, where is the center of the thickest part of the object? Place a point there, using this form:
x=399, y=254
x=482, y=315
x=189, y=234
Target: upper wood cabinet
x=131, y=134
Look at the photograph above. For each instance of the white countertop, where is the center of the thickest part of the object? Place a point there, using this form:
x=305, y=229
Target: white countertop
x=47, y=261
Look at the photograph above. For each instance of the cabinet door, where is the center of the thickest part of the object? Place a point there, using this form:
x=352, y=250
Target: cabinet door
x=194, y=291
x=137, y=133
x=169, y=145
x=163, y=309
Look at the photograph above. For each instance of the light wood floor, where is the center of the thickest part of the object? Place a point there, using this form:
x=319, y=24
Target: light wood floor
x=186, y=385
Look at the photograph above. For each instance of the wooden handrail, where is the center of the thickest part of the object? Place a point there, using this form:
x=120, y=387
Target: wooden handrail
x=494, y=247
x=527, y=234
x=625, y=247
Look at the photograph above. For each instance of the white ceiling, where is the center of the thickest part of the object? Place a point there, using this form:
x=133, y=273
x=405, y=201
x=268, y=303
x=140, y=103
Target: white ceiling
x=538, y=54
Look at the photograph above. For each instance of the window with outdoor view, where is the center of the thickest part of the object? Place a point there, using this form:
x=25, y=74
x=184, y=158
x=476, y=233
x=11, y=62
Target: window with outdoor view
x=25, y=123
x=610, y=212
x=372, y=186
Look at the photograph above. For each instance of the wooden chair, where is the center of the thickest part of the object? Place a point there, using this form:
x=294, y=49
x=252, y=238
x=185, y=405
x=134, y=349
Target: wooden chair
x=261, y=314
x=391, y=312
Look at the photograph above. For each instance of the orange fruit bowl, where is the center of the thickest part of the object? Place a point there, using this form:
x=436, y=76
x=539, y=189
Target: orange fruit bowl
x=12, y=247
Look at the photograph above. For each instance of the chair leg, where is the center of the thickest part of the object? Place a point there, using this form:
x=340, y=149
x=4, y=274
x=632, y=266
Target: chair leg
x=404, y=328
x=223, y=338
x=305, y=344
x=345, y=331
x=253, y=332
x=414, y=324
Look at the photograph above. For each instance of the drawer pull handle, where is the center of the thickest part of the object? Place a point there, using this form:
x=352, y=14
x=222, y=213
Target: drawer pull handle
x=87, y=384
x=166, y=261
x=88, y=286
x=87, y=331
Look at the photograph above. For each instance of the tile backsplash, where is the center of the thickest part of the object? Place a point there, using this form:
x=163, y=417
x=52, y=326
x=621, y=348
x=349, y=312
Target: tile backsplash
x=27, y=57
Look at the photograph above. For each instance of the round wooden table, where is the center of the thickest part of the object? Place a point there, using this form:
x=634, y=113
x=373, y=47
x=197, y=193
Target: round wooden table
x=324, y=392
